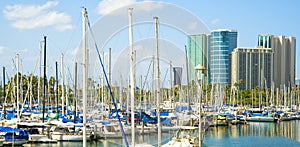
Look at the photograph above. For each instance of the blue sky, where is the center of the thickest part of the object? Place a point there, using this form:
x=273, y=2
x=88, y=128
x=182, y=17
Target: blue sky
x=23, y=24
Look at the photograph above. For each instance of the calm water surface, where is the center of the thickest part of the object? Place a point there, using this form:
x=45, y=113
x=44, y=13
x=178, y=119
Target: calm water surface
x=254, y=134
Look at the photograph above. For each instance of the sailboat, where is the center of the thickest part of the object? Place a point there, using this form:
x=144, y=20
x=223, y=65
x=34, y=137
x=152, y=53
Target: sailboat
x=132, y=88
x=35, y=132
x=13, y=136
x=67, y=133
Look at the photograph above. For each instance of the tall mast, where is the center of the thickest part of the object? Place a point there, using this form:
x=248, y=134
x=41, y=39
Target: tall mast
x=40, y=75
x=62, y=86
x=21, y=83
x=158, y=83
x=127, y=94
x=44, y=97
x=121, y=91
x=85, y=73
x=3, y=83
x=171, y=84
x=30, y=91
x=103, y=88
x=132, y=76
x=109, y=74
x=17, y=62
x=56, y=81
x=13, y=92
x=75, y=92
x=188, y=77
x=67, y=95
x=153, y=77
x=141, y=92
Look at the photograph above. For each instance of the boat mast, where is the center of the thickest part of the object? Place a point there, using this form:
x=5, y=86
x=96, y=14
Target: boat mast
x=132, y=77
x=121, y=92
x=171, y=85
x=75, y=92
x=3, y=84
x=127, y=94
x=17, y=62
x=56, y=81
x=284, y=97
x=188, y=78
x=85, y=73
x=67, y=95
x=30, y=92
x=13, y=92
x=103, y=88
x=40, y=75
x=109, y=75
x=158, y=84
x=45, y=80
x=21, y=86
x=141, y=92
x=62, y=86
x=277, y=98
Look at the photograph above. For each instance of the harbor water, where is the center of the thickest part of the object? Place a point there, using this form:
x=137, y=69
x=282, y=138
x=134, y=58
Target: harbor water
x=253, y=134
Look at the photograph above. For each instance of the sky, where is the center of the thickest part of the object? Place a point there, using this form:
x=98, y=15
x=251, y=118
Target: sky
x=24, y=23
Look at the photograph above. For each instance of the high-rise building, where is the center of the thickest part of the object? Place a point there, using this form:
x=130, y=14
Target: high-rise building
x=197, y=53
x=222, y=43
x=177, y=72
x=251, y=67
x=297, y=82
x=284, y=49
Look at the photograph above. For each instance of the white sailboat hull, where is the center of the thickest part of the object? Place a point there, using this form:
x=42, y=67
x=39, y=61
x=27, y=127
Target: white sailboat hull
x=67, y=137
x=183, y=142
x=260, y=119
x=40, y=138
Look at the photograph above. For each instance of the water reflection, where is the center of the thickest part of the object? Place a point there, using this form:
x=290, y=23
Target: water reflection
x=253, y=134
x=147, y=138
x=268, y=131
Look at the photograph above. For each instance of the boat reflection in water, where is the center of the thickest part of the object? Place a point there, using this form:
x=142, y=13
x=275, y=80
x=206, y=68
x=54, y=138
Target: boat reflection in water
x=256, y=133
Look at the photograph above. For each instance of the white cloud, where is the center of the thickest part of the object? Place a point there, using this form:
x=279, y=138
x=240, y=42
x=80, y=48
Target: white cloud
x=107, y=6
x=215, y=21
x=36, y=16
x=150, y=5
x=26, y=11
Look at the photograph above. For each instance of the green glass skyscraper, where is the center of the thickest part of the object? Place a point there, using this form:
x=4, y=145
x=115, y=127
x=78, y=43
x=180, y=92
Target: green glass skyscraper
x=197, y=53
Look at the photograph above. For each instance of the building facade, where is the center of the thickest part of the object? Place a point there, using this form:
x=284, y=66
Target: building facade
x=284, y=49
x=177, y=78
x=251, y=67
x=297, y=82
x=222, y=43
x=197, y=52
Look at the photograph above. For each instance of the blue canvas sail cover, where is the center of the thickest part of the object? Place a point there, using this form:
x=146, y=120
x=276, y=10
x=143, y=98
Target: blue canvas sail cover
x=165, y=121
x=147, y=118
x=9, y=129
x=23, y=134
